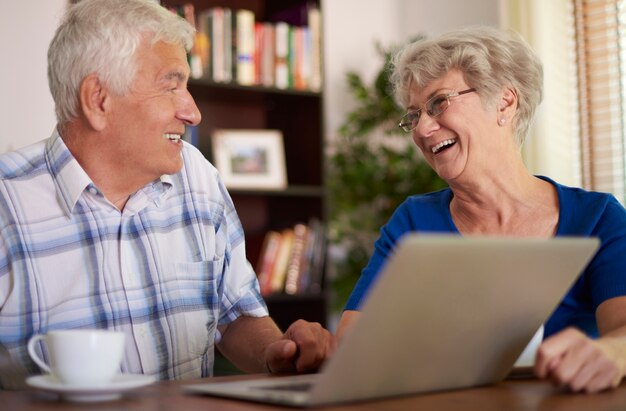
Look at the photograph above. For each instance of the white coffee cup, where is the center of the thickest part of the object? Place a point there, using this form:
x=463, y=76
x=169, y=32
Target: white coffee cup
x=80, y=357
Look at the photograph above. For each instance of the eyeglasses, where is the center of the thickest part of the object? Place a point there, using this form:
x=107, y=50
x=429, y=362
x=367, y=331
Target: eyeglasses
x=434, y=107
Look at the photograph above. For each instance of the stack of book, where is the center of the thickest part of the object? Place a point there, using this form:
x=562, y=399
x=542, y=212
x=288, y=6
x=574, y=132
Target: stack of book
x=292, y=260
x=231, y=46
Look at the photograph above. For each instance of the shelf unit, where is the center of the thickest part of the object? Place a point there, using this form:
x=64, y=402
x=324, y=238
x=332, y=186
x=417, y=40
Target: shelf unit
x=298, y=114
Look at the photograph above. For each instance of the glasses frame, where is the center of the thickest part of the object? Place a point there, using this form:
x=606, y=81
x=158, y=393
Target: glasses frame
x=406, y=122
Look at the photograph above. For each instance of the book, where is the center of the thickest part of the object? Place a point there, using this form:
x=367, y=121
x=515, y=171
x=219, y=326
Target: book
x=281, y=262
x=259, y=37
x=264, y=54
x=229, y=45
x=281, y=62
x=315, y=30
x=204, y=41
x=217, y=43
x=267, y=258
x=300, y=233
x=292, y=260
x=307, y=63
x=195, y=60
x=187, y=11
x=268, y=53
x=313, y=271
x=245, y=43
x=291, y=56
x=297, y=57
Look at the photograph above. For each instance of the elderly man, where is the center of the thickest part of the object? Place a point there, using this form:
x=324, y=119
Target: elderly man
x=113, y=222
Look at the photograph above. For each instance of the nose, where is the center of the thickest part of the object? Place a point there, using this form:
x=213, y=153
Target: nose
x=427, y=125
x=188, y=111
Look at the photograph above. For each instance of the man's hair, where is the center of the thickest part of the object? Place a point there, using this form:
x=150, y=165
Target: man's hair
x=101, y=37
x=489, y=59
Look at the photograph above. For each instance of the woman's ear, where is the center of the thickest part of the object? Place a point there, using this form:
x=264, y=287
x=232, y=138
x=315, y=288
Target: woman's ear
x=93, y=98
x=507, y=105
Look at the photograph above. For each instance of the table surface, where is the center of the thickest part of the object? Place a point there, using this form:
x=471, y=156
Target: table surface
x=528, y=394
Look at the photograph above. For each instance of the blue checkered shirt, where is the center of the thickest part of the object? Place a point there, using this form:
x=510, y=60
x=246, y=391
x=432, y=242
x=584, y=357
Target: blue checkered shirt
x=166, y=270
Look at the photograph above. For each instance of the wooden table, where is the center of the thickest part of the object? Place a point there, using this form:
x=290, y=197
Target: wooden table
x=168, y=395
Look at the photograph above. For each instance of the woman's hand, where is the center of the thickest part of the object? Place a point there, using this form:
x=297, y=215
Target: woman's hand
x=573, y=360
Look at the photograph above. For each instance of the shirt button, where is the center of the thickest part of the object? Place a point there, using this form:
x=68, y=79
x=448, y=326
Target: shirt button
x=93, y=191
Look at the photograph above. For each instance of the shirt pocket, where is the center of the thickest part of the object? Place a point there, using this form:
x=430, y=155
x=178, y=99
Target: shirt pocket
x=193, y=307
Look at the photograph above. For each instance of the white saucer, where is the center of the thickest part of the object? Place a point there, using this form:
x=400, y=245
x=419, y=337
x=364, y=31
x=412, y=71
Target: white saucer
x=111, y=391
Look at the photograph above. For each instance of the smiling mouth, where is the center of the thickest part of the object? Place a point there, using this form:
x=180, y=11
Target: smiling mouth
x=172, y=137
x=443, y=145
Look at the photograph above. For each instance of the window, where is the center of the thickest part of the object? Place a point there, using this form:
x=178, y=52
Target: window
x=579, y=134
x=601, y=63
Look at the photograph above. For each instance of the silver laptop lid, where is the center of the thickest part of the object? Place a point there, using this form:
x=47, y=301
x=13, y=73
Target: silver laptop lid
x=449, y=312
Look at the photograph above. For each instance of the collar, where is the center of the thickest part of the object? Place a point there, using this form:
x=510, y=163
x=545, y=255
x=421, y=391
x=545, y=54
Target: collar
x=70, y=178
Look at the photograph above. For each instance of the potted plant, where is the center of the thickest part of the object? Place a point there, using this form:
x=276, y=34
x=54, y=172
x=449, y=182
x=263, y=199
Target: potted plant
x=372, y=167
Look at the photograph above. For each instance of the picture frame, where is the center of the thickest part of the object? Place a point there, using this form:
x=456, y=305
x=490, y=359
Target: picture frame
x=250, y=159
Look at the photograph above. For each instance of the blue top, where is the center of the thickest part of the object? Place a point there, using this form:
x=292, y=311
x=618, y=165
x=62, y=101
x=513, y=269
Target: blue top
x=582, y=213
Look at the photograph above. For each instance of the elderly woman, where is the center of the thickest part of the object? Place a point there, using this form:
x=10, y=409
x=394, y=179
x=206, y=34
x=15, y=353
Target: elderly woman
x=470, y=96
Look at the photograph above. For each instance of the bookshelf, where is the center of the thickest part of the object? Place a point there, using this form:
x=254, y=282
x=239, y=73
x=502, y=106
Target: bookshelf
x=297, y=113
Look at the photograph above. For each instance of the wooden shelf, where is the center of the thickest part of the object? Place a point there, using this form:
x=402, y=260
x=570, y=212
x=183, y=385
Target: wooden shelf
x=291, y=191
x=233, y=86
x=298, y=114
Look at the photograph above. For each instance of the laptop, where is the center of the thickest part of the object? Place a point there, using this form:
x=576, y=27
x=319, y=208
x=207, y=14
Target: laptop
x=446, y=312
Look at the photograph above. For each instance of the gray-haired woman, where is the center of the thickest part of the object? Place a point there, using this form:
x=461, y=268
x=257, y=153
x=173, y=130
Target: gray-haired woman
x=470, y=97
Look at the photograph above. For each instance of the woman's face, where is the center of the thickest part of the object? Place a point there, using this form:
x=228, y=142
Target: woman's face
x=458, y=142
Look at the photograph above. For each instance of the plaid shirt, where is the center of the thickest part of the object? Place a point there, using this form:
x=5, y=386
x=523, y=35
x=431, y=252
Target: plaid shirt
x=166, y=270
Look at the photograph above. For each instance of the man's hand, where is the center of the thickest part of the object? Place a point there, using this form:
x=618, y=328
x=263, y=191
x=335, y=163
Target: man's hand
x=573, y=360
x=303, y=348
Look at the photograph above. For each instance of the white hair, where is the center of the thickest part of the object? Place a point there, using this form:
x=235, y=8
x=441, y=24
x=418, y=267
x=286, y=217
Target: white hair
x=101, y=37
x=489, y=59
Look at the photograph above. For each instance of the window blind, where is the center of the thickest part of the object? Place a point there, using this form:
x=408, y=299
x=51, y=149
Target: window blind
x=601, y=57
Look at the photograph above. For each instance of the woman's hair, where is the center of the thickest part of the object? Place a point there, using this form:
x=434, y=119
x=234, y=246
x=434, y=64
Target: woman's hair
x=102, y=36
x=489, y=59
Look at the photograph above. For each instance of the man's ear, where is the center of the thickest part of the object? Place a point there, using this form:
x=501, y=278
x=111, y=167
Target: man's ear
x=93, y=97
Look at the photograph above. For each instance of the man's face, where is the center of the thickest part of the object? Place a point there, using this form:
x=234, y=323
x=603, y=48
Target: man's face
x=146, y=124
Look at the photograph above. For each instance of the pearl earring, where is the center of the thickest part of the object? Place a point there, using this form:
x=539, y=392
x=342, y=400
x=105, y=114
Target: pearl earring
x=502, y=121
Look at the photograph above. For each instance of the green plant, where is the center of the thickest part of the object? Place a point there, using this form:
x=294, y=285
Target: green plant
x=373, y=166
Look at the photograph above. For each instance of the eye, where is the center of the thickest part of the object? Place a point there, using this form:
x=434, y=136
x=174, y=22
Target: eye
x=412, y=117
x=437, y=105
